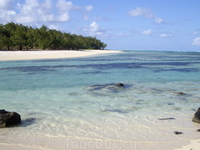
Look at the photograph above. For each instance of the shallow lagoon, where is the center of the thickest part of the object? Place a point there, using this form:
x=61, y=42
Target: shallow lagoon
x=59, y=104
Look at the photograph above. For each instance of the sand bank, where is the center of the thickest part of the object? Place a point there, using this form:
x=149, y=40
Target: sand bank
x=50, y=54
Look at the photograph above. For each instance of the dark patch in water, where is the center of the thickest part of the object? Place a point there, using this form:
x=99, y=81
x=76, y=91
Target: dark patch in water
x=94, y=72
x=74, y=94
x=111, y=87
x=31, y=69
x=107, y=66
x=179, y=70
x=28, y=122
x=170, y=118
x=170, y=103
x=193, y=109
x=115, y=110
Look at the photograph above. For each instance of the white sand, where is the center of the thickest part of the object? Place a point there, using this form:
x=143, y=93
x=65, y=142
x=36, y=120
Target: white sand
x=50, y=54
x=16, y=147
x=194, y=145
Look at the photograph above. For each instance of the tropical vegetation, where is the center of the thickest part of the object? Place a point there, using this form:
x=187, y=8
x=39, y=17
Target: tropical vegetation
x=19, y=37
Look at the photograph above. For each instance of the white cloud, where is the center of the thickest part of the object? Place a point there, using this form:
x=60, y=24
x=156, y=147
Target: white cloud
x=40, y=11
x=141, y=11
x=53, y=18
x=63, y=17
x=66, y=6
x=196, y=41
x=56, y=27
x=94, y=29
x=147, y=32
x=6, y=16
x=89, y=8
x=165, y=35
x=147, y=13
x=26, y=19
x=30, y=7
x=159, y=20
x=5, y=4
x=36, y=11
x=11, y=12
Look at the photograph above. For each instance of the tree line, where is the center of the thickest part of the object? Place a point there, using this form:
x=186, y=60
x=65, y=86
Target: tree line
x=19, y=37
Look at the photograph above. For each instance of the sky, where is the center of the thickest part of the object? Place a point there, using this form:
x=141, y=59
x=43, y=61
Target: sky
x=172, y=25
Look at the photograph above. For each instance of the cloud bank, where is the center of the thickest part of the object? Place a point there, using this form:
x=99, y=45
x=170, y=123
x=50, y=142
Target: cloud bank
x=37, y=11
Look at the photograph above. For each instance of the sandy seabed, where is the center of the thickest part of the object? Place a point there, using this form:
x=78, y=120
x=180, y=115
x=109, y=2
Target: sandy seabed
x=52, y=54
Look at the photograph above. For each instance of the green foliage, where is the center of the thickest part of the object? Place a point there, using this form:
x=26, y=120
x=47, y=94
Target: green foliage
x=20, y=37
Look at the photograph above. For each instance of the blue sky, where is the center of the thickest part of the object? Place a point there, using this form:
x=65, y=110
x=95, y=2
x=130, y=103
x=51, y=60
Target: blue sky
x=126, y=25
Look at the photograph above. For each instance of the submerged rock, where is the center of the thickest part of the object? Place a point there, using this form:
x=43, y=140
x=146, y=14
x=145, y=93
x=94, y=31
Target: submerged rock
x=196, y=117
x=106, y=87
x=177, y=132
x=8, y=119
x=166, y=118
x=120, y=85
x=181, y=93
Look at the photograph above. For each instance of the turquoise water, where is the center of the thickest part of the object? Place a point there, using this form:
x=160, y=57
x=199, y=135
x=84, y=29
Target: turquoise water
x=75, y=99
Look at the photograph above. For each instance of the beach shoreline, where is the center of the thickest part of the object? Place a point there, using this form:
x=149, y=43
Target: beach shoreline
x=50, y=54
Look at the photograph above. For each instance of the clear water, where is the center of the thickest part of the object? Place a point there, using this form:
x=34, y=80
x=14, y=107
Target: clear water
x=58, y=101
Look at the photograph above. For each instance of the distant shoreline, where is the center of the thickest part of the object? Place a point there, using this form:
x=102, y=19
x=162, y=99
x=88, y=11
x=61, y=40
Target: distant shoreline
x=49, y=54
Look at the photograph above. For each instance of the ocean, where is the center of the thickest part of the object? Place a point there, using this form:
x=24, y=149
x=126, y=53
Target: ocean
x=77, y=103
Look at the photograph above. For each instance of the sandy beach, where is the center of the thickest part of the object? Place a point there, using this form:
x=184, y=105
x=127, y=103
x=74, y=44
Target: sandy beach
x=16, y=147
x=194, y=145
x=49, y=54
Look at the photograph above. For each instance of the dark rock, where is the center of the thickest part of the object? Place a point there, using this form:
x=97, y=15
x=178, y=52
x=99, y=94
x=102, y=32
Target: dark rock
x=177, y=132
x=8, y=119
x=196, y=117
x=166, y=118
x=170, y=103
x=120, y=85
x=181, y=93
x=198, y=130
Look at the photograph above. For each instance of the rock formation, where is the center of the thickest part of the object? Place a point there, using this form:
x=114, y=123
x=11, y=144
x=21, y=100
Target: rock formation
x=8, y=119
x=196, y=117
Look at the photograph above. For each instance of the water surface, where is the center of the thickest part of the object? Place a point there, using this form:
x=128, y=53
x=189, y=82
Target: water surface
x=76, y=99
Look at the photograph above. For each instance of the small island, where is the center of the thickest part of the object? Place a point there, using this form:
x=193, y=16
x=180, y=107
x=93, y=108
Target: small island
x=19, y=37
